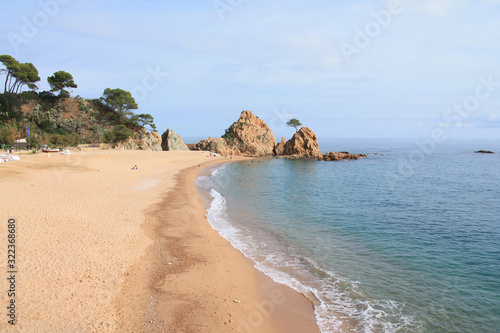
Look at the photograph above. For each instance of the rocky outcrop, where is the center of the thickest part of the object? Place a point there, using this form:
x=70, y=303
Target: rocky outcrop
x=340, y=156
x=143, y=141
x=279, y=148
x=484, y=152
x=248, y=136
x=218, y=146
x=303, y=144
x=172, y=141
x=153, y=141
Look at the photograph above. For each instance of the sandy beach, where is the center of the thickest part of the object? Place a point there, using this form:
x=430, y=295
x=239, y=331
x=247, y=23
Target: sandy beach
x=103, y=248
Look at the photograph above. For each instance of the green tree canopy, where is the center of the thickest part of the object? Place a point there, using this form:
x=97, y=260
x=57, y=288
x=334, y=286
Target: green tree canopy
x=11, y=66
x=27, y=75
x=10, y=105
x=61, y=80
x=144, y=119
x=119, y=100
x=294, y=123
x=121, y=133
x=8, y=134
x=18, y=74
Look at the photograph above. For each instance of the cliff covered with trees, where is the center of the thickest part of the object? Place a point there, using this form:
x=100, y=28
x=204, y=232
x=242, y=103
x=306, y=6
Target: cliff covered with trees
x=55, y=118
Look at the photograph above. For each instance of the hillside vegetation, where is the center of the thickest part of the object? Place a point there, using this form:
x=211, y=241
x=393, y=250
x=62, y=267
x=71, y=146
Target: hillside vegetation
x=45, y=118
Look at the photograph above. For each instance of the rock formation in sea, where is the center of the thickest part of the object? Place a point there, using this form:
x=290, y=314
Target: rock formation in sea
x=340, y=156
x=303, y=144
x=248, y=136
x=279, y=148
x=484, y=152
x=172, y=141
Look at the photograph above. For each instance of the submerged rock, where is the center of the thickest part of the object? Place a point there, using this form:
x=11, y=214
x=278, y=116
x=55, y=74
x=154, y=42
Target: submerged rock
x=340, y=156
x=172, y=141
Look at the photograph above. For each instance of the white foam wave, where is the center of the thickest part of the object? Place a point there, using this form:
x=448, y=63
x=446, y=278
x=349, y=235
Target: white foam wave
x=217, y=218
x=335, y=309
x=217, y=170
x=203, y=182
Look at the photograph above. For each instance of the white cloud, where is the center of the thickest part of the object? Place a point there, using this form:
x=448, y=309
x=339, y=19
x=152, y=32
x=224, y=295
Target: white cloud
x=280, y=53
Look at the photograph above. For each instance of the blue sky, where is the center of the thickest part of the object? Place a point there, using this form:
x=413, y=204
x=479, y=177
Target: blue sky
x=343, y=68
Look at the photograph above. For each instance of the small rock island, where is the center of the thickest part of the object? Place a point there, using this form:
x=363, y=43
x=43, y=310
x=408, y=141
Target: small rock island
x=250, y=136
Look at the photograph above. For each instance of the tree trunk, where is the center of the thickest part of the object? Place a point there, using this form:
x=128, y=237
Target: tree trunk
x=19, y=85
x=6, y=79
x=13, y=85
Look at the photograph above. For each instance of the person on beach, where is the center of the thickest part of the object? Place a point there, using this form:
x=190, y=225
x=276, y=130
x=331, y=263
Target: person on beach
x=135, y=167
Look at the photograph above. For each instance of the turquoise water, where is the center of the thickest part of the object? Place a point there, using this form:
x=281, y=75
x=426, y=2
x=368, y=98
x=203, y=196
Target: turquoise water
x=405, y=241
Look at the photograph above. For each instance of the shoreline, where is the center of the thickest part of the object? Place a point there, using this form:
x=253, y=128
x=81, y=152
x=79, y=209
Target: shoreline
x=208, y=285
x=94, y=255
x=298, y=305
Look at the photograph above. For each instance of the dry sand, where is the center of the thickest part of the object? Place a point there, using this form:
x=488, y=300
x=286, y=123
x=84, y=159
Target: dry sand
x=103, y=248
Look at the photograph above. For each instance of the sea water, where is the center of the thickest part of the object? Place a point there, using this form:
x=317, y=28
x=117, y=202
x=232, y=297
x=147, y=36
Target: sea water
x=406, y=240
